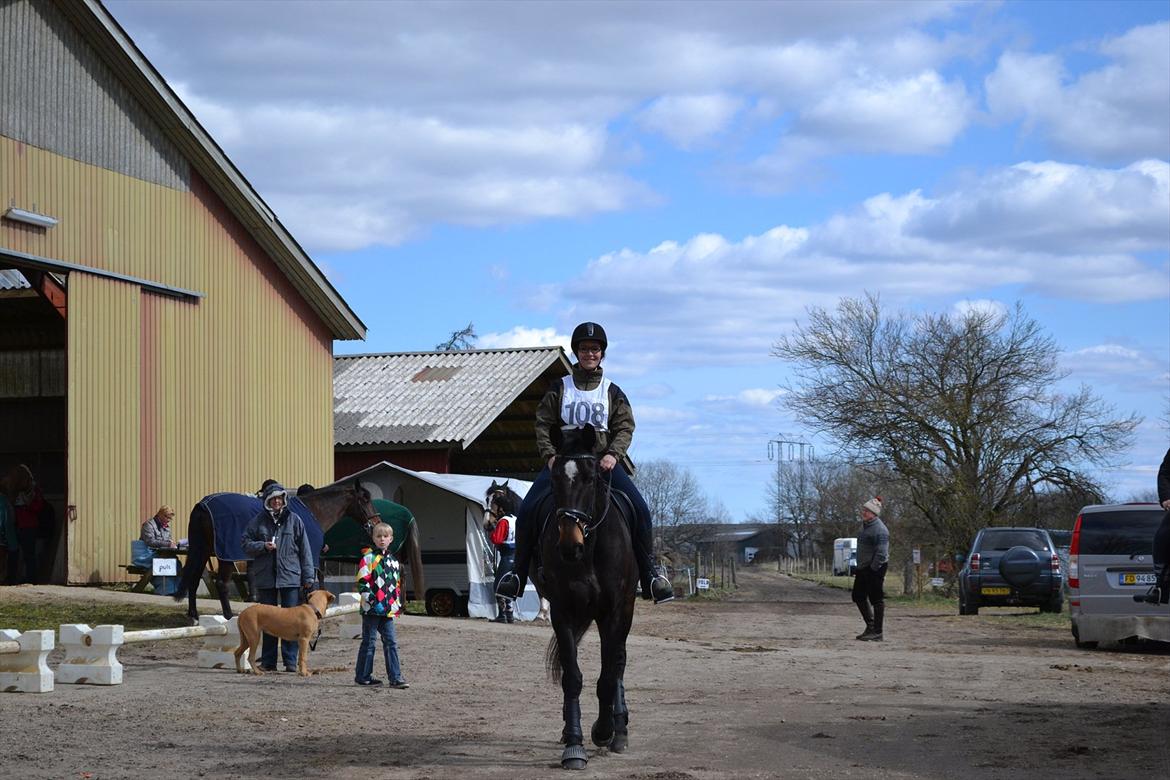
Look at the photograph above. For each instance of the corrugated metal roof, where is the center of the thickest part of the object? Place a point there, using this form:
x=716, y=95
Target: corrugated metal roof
x=11, y=279
x=430, y=397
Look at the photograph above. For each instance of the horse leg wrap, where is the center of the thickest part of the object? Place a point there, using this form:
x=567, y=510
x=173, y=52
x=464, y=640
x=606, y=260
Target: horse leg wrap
x=572, y=715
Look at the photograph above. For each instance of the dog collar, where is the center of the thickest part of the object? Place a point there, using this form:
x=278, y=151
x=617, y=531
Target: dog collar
x=315, y=612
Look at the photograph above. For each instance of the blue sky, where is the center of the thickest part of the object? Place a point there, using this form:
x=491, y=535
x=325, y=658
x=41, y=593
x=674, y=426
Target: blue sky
x=696, y=175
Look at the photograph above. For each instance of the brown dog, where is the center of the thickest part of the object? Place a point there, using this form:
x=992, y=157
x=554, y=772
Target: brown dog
x=288, y=623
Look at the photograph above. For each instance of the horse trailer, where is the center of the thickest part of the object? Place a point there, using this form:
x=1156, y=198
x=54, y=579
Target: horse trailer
x=845, y=556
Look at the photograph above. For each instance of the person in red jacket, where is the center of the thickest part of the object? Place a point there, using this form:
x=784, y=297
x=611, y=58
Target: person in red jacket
x=28, y=504
x=501, y=531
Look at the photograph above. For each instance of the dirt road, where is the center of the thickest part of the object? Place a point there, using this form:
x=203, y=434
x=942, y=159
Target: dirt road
x=767, y=684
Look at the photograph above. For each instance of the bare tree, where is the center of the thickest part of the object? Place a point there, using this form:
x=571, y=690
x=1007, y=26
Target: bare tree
x=460, y=339
x=964, y=408
x=676, y=502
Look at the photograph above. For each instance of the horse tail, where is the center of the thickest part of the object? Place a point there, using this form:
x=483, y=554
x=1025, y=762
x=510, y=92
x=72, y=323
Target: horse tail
x=552, y=655
x=198, y=551
x=414, y=555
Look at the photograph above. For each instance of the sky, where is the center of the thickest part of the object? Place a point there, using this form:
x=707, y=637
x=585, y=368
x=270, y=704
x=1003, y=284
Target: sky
x=696, y=176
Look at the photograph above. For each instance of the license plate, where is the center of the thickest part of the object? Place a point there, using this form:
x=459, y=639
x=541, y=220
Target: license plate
x=1133, y=578
x=996, y=591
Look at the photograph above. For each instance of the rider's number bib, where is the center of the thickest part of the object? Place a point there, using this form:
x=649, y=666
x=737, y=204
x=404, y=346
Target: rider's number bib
x=585, y=407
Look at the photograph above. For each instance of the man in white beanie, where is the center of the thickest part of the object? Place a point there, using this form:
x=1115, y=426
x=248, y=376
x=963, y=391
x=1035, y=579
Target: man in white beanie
x=873, y=555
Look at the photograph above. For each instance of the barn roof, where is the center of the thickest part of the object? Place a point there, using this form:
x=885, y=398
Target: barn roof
x=115, y=47
x=431, y=398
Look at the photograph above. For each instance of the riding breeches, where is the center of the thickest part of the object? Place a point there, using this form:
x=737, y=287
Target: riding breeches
x=528, y=525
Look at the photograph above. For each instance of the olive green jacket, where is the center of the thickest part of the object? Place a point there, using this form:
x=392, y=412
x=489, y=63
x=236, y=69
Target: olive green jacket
x=621, y=416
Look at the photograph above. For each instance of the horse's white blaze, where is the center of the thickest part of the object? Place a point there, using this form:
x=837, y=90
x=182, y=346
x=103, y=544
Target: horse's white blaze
x=571, y=471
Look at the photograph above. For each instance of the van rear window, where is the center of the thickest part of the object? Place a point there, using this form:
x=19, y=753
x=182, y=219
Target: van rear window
x=1005, y=540
x=1119, y=533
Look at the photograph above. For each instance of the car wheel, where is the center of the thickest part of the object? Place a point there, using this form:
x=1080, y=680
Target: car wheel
x=442, y=603
x=966, y=607
x=1055, y=605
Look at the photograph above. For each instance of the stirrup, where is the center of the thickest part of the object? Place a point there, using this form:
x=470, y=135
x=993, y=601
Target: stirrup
x=661, y=589
x=509, y=587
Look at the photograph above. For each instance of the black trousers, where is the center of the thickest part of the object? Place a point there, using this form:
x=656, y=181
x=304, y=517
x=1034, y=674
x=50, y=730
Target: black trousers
x=867, y=586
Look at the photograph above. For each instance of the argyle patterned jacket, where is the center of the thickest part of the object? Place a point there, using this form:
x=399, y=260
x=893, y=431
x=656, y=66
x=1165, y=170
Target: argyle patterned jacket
x=379, y=583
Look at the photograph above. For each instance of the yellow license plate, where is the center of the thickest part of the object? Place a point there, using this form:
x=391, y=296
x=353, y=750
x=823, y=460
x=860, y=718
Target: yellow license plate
x=996, y=591
x=1132, y=578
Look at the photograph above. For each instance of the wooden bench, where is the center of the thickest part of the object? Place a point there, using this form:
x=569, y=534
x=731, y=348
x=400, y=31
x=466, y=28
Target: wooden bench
x=143, y=580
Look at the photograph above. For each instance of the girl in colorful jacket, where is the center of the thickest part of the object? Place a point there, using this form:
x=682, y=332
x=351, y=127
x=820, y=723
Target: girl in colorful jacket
x=379, y=583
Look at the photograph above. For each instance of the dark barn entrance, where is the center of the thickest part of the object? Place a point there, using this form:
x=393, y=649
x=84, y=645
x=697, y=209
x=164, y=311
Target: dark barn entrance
x=33, y=401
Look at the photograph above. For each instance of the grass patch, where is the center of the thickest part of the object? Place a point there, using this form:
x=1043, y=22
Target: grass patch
x=50, y=615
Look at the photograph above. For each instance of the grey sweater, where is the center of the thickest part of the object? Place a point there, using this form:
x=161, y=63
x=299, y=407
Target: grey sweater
x=873, y=544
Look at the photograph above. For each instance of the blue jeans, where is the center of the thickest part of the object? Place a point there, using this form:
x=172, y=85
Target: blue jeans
x=282, y=597
x=384, y=626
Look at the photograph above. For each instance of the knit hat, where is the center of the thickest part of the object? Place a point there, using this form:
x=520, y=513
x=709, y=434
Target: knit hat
x=874, y=505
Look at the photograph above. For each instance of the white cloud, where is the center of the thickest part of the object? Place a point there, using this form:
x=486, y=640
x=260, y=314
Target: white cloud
x=1068, y=232
x=689, y=119
x=1118, y=365
x=521, y=336
x=1115, y=112
x=913, y=115
x=979, y=306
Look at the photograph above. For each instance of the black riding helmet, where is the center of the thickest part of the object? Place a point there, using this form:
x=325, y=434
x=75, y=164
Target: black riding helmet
x=588, y=331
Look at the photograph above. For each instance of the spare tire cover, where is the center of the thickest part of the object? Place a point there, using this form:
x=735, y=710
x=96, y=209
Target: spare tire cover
x=1020, y=566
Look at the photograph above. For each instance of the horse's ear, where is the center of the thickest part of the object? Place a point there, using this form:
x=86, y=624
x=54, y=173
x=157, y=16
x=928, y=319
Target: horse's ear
x=556, y=436
x=588, y=438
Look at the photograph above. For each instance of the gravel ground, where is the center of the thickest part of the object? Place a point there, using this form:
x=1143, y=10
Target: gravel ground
x=768, y=683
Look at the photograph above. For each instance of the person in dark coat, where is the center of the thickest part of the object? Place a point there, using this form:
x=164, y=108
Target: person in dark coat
x=281, y=565
x=873, y=557
x=1161, y=590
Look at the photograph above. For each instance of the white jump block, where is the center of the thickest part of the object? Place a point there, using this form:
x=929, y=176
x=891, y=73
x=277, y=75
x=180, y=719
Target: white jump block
x=218, y=651
x=90, y=654
x=26, y=670
x=349, y=607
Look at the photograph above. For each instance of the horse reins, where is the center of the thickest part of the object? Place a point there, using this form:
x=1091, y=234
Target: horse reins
x=582, y=519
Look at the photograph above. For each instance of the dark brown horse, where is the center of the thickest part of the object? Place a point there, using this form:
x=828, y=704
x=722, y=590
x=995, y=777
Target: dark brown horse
x=328, y=505
x=588, y=575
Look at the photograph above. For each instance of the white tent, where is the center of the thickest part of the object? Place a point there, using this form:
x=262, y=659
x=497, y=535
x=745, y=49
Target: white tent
x=449, y=511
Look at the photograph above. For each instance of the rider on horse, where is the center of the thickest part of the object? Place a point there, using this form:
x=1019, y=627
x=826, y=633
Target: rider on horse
x=587, y=397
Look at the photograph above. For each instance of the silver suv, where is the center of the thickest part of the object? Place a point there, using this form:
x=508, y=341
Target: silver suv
x=1110, y=561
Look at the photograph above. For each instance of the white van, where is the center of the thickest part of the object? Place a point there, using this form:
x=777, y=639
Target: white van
x=845, y=556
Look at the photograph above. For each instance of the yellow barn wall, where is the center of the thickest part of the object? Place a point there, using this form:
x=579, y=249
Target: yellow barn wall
x=169, y=399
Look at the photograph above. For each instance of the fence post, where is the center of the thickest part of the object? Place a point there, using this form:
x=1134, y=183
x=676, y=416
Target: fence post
x=218, y=651
x=351, y=624
x=26, y=670
x=91, y=654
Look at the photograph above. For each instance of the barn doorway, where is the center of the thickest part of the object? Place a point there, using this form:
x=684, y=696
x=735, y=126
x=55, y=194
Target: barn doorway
x=33, y=409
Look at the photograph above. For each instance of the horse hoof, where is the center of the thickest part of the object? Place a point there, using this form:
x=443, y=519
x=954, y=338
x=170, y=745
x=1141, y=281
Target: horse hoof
x=620, y=743
x=574, y=757
x=599, y=737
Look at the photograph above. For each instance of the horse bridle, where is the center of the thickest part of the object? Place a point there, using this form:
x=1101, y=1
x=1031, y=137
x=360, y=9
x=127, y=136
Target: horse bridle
x=584, y=520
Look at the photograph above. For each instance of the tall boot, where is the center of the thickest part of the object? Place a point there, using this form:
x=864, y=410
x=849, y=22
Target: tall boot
x=655, y=585
x=867, y=616
x=879, y=613
x=512, y=584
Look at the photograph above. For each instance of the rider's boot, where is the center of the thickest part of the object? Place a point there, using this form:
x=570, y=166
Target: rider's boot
x=512, y=584
x=655, y=585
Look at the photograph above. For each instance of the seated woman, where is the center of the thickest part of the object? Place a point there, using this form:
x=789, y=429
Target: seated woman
x=585, y=396
x=156, y=534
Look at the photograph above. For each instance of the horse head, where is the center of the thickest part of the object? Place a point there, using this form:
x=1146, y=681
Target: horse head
x=575, y=487
x=499, y=501
x=362, y=505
